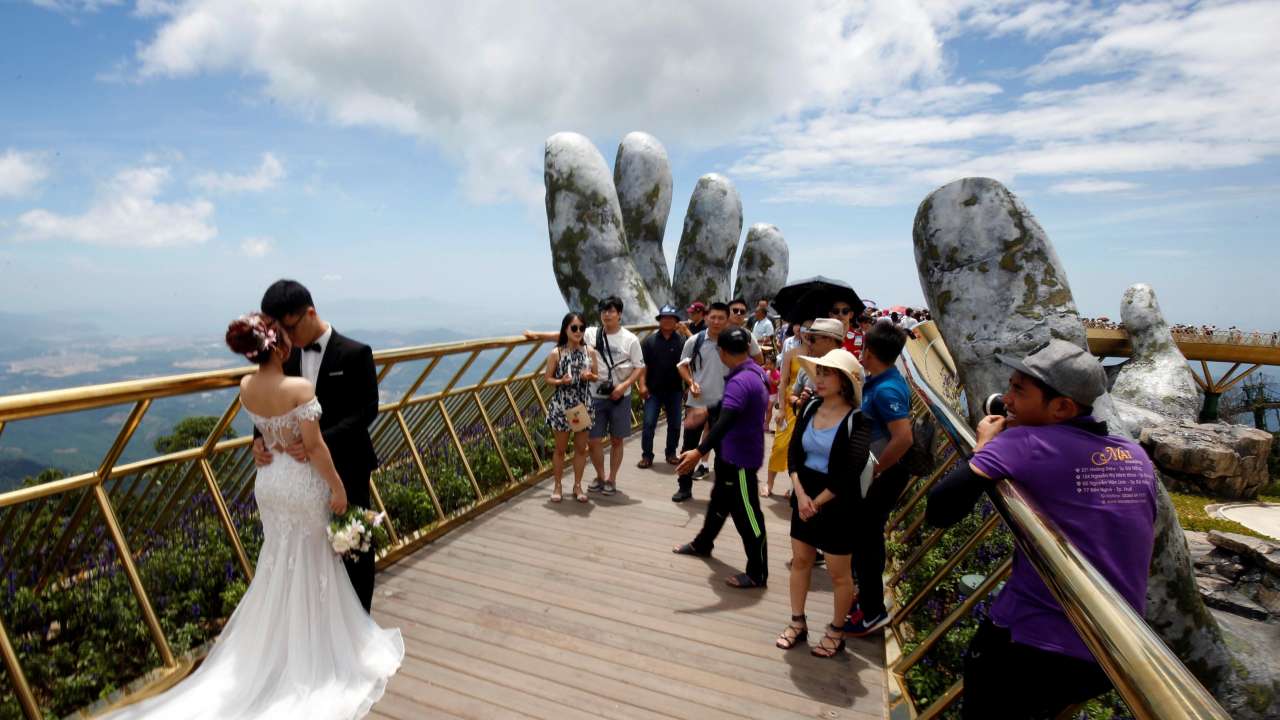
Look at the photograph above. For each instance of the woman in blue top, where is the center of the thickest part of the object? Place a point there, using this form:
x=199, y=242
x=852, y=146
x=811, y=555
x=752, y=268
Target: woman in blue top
x=829, y=449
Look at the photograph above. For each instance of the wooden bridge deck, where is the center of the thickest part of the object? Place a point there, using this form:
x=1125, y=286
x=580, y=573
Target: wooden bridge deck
x=536, y=610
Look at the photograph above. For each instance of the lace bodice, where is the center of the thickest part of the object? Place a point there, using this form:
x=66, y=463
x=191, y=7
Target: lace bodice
x=280, y=431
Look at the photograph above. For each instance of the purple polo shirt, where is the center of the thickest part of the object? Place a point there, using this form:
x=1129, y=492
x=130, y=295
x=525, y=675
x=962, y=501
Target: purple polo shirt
x=746, y=389
x=1100, y=490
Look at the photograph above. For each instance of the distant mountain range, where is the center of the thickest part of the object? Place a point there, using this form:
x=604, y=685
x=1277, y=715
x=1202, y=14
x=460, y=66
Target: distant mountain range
x=39, y=354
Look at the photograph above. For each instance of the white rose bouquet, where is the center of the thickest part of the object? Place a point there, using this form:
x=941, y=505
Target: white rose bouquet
x=356, y=531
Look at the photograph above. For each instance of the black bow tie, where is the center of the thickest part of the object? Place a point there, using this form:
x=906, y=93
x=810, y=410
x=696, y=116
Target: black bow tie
x=313, y=347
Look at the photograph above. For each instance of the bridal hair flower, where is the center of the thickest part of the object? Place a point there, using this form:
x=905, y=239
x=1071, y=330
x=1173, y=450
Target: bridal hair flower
x=265, y=336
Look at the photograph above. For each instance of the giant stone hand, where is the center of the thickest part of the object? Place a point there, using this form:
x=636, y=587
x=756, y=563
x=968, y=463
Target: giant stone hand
x=606, y=237
x=994, y=284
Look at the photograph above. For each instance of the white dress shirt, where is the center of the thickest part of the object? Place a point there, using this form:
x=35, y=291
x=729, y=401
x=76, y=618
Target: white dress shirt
x=311, y=360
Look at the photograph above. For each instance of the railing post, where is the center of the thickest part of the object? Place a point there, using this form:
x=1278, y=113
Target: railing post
x=215, y=492
x=135, y=579
x=225, y=517
x=422, y=468
x=524, y=429
x=386, y=516
x=497, y=446
x=20, y=686
x=457, y=444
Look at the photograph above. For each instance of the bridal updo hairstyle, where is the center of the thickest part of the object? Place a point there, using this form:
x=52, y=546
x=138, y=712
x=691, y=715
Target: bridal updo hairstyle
x=255, y=336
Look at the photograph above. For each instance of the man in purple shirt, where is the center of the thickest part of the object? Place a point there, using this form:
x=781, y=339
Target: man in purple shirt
x=1026, y=659
x=738, y=439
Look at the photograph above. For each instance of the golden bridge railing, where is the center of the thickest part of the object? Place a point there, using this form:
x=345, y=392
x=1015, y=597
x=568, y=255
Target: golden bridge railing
x=464, y=434
x=943, y=579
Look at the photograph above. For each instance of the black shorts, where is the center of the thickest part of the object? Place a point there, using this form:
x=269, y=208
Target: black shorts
x=831, y=530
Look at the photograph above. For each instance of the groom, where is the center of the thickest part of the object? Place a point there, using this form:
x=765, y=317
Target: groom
x=346, y=384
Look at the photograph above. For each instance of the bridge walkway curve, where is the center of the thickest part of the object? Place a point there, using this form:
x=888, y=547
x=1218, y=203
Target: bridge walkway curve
x=541, y=610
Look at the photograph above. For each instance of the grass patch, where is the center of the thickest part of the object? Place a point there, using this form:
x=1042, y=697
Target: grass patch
x=1192, y=516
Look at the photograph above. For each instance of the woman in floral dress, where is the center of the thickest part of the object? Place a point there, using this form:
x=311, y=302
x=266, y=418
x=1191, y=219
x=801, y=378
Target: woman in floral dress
x=571, y=368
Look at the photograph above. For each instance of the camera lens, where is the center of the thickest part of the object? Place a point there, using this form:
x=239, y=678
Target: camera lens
x=994, y=405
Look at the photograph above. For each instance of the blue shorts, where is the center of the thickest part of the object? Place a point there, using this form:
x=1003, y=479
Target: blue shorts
x=612, y=418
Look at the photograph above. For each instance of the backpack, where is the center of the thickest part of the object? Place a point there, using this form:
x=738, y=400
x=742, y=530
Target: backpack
x=697, y=350
x=918, y=460
x=868, y=470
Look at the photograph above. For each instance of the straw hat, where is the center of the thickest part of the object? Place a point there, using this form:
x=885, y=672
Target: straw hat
x=829, y=327
x=842, y=361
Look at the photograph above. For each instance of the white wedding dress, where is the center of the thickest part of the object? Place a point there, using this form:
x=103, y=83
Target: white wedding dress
x=299, y=645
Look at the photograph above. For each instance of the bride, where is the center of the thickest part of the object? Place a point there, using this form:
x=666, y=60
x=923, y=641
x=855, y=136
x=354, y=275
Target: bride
x=299, y=645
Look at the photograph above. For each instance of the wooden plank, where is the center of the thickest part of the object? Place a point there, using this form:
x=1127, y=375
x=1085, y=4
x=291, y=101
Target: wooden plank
x=606, y=631
x=581, y=611
x=410, y=697
x=691, y=683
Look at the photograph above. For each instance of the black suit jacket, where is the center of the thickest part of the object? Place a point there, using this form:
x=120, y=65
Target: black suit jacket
x=347, y=388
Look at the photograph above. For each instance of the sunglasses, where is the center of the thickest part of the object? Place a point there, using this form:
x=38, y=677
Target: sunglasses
x=841, y=310
x=739, y=311
x=576, y=328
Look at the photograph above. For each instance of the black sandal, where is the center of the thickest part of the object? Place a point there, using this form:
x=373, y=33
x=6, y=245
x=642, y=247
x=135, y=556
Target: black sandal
x=801, y=633
x=743, y=581
x=823, y=649
x=689, y=549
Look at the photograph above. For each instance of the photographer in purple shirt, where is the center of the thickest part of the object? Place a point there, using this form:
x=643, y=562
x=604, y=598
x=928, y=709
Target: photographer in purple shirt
x=1026, y=660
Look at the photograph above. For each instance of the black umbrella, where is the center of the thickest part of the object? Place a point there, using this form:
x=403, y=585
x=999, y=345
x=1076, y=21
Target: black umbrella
x=812, y=297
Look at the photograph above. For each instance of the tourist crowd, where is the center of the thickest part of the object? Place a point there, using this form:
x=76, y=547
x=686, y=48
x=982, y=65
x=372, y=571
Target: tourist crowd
x=1202, y=333
x=825, y=383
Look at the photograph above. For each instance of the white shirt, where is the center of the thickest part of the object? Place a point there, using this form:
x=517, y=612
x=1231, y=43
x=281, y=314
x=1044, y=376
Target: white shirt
x=710, y=372
x=763, y=329
x=310, y=363
x=623, y=353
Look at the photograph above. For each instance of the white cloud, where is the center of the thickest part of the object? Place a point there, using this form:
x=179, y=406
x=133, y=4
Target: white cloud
x=332, y=277
x=75, y=6
x=265, y=177
x=486, y=81
x=127, y=213
x=1150, y=88
x=814, y=92
x=1162, y=253
x=20, y=173
x=1090, y=185
x=836, y=193
x=256, y=246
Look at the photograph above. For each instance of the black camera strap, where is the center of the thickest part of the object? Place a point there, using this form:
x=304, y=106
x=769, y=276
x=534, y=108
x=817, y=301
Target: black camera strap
x=602, y=347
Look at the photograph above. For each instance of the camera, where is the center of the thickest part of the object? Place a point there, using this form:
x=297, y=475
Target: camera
x=994, y=405
x=605, y=387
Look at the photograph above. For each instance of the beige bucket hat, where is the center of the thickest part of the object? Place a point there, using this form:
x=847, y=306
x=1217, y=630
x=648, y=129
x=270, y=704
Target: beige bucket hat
x=842, y=361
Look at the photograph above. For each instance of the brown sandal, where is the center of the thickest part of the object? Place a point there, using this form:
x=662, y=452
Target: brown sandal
x=830, y=645
x=794, y=634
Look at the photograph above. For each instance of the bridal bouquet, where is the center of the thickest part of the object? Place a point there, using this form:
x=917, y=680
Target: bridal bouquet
x=355, y=531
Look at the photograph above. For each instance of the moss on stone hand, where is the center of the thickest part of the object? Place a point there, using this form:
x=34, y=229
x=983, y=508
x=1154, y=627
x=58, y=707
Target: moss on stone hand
x=944, y=299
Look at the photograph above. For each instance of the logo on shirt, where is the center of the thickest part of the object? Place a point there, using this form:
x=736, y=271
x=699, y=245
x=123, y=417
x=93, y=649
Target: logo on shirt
x=1109, y=453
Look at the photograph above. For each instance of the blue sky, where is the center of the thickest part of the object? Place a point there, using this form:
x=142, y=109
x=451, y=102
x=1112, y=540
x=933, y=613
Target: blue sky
x=161, y=162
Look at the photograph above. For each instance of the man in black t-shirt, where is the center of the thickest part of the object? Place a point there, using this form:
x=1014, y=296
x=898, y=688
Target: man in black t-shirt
x=661, y=386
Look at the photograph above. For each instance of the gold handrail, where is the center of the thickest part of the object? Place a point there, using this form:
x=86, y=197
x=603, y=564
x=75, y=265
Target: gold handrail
x=1150, y=678
x=136, y=498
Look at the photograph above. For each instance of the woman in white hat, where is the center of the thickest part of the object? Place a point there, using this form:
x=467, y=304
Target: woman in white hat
x=829, y=449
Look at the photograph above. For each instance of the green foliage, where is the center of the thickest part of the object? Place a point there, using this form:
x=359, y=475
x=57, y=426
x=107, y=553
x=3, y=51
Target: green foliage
x=80, y=640
x=1192, y=516
x=190, y=433
x=405, y=498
